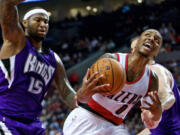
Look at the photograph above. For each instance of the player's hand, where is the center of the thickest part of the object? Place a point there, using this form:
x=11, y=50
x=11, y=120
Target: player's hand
x=90, y=86
x=146, y=117
x=154, y=108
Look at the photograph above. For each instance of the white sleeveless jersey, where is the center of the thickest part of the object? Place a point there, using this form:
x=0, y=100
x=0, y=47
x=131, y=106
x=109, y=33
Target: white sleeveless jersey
x=114, y=108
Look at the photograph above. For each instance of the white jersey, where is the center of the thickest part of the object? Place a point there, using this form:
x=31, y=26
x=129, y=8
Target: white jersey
x=114, y=108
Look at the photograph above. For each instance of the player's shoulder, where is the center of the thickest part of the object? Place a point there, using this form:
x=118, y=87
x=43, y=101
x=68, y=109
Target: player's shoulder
x=160, y=68
x=163, y=73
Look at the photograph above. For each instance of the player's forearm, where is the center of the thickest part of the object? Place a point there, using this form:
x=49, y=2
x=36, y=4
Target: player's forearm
x=69, y=100
x=67, y=94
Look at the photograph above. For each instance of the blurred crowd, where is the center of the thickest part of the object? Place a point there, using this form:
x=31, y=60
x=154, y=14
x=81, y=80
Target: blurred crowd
x=77, y=38
x=109, y=32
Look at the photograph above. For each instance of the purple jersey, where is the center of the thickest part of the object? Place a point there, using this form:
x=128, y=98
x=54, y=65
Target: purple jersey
x=24, y=80
x=170, y=123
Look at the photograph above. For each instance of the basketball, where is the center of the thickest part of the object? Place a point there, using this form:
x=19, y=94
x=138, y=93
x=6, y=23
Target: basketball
x=114, y=74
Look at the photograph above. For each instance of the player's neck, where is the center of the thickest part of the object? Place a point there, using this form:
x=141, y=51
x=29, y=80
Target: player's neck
x=135, y=68
x=137, y=62
x=37, y=44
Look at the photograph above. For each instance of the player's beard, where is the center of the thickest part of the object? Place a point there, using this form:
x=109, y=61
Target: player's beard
x=37, y=38
x=33, y=34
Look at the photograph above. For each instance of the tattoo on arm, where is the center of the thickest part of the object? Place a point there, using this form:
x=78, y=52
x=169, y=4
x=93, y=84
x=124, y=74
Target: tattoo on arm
x=68, y=94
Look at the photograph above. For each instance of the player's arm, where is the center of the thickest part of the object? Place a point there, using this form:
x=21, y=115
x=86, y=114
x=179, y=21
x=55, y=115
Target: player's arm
x=165, y=86
x=13, y=35
x=144, y=132
x=109, y=55
x=67, y=93
x=151, y=105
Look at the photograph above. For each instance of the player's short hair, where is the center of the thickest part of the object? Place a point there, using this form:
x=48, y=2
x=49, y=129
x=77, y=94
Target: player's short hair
x=134, y=38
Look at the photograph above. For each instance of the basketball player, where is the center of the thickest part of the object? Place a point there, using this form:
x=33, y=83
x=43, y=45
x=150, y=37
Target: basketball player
x=27, y=70
x=102, y=114
x=169, y=97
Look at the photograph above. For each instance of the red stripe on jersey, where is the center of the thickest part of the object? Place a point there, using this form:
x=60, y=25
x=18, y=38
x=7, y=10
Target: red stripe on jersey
x=104, y=112
x=117, y=56
x=126, y=64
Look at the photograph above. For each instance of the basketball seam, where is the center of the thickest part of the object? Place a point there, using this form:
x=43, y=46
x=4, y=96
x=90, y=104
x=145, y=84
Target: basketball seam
x=99, y=73
x=112, y=74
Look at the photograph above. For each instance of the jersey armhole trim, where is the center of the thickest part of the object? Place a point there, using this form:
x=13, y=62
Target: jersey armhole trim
x=117, y=54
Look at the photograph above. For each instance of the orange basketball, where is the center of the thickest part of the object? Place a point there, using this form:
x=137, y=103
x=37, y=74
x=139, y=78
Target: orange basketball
x=113, y=72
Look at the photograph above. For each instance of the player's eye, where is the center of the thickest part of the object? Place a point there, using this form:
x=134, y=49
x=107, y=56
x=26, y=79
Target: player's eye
x=147, y=34
x=46, y=22
x=38, y=20
x=157, y=40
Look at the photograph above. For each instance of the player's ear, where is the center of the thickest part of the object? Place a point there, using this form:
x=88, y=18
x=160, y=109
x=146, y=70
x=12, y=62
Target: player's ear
x=24, y=23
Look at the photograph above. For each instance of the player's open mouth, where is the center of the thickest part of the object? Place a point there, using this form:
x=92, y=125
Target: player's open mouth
x=42, y=32
x=148, y=46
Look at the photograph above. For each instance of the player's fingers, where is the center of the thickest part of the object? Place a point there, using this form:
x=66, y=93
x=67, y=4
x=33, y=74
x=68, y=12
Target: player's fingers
x=101, y=88
x=147, y=103
x=151, y=95
x=156, y=96
x=87, y=75
x=145, y=108
x=93, y=78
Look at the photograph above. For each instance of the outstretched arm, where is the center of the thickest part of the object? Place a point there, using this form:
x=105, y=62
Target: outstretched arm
x=13, y=35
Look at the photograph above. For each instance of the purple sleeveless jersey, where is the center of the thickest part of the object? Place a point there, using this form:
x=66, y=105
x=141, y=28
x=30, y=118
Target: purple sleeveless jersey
x=170, y=123
x=24, y=80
